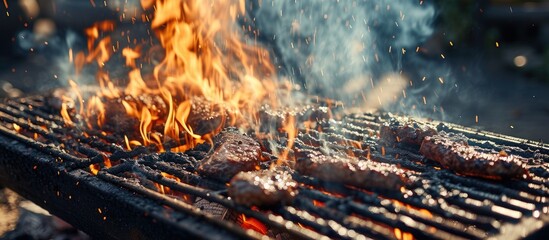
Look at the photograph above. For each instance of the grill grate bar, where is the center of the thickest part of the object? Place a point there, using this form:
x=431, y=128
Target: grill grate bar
x=48, y=149
x=345, y=221
x=179, y=205
x=215, y=197
x=366, y=202
x=436, y=204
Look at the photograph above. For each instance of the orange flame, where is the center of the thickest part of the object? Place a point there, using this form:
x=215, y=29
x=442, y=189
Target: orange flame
x=94, y=168
x=96, y=108
x=168, y=191
x=421, y=211
x=400, y=235
x=205, y=56
x=253, y=224
x=65, y=114
x=318, y=203
x=291, y=129
x=16, y=127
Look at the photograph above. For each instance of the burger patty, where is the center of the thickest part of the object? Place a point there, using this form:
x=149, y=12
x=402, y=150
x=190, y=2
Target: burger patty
x=233, y=153
x=401, y=130
x=359, y=173
x=464, y=159
x=263, y=188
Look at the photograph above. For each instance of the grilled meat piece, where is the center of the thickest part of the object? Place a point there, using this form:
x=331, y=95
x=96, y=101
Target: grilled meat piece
x=359, y=173
x=263, y=188
x=206, y=116
x=233, y=153
x=275, y=118
x=118, y=121
x=405, y=131
x=464, y=159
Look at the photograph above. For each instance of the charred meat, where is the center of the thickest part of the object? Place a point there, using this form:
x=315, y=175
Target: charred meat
x=233, y=153
x=464, y=159
x=359, y=173
x=118, y=121
x=206, y=116
x=263, y=188
x=400, y=130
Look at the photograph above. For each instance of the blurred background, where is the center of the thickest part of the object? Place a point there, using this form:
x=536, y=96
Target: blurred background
x=496, y=53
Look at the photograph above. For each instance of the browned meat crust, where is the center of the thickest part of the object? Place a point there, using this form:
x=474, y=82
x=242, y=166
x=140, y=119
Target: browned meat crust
x=263, y=188
x=118, y=121
x=233, y=153
x=405, y=131
x=464, y=159
x=206, y=116
x=367, y=174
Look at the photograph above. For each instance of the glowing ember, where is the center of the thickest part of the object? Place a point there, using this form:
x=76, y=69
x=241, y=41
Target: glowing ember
x=16, y=127
x=403, y=235
x=253, y=224
x=94, y=168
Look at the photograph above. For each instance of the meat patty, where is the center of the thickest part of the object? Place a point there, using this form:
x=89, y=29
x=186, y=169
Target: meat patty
x=116, y=118
x=263, y=188
x=405, y=131
x=464, y=159
x=359, y=173
x=206, y=116
x=233, y=153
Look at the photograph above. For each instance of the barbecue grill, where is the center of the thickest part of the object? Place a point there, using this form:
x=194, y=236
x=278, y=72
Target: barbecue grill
x=146, y=195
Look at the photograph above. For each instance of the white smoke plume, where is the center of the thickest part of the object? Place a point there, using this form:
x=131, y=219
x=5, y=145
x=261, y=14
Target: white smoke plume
x=343, y=48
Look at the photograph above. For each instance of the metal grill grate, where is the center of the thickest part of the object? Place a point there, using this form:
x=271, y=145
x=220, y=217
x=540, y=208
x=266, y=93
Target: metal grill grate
x=436, y=204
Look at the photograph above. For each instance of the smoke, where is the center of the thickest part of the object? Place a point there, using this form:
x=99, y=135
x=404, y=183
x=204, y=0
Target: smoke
x=344, y=49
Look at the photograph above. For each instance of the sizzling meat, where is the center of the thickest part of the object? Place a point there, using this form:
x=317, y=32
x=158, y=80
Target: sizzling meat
x=263, y=188
x=205, y=115
x=118, y=121
x=353, y=172
x=464, y=159
x=233, y=153
x=405, y=131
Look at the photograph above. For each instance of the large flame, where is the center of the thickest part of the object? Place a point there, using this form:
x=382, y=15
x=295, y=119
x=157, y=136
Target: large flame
x=206, y=56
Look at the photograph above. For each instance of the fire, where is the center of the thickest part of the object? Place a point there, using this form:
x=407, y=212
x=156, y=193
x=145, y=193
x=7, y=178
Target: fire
x=318, y=203
x=424, y=212
x=253, y=224
x=205, y=55
x=16, y=127
x=400, y=235
x=168, y=191
x=291, y=129
x=94, y=168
